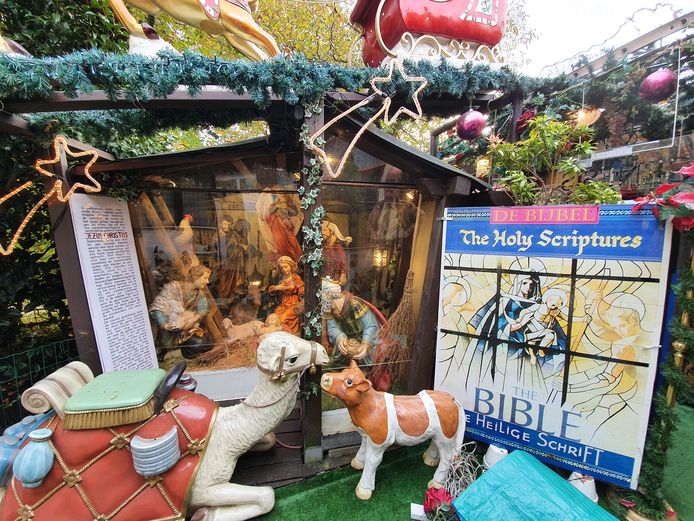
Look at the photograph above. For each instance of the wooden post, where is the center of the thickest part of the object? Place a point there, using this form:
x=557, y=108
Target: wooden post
x=424, y=347
x=517, y=110
x=145, y=266
x=164, y=211
x=71, y=273
x=313, y=448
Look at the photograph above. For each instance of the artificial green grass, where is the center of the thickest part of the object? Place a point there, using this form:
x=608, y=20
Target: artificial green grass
x=401, y=479
x=679, y=472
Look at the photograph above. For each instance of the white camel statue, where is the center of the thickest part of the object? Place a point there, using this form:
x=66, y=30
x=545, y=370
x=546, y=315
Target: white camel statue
x=282, y=358
x=239, y=427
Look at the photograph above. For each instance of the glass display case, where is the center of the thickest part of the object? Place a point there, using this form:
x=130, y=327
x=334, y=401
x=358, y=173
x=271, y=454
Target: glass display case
x=219, y=247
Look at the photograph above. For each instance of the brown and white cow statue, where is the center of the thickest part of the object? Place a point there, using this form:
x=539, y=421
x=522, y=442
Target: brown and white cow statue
x=383, y=419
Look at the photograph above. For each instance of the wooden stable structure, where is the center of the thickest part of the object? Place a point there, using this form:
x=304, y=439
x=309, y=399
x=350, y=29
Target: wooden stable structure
x=397, y=167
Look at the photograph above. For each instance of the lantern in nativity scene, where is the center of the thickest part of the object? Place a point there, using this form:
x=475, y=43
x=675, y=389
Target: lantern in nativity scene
x=458, y=30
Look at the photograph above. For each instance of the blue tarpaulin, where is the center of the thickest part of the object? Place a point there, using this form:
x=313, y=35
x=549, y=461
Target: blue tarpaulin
x=520, y=488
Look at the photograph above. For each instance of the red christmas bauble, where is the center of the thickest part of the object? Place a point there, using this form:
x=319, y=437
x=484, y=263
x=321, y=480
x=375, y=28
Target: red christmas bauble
x=658, y=85
x=470, y=125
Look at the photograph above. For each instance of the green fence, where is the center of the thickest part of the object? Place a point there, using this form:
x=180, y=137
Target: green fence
x=20, y=371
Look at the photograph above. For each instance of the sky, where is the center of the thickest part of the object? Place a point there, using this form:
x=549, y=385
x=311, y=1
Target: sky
x=566, y=28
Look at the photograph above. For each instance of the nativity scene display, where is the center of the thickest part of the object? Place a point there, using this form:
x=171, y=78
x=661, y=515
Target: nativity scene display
x=223, y=269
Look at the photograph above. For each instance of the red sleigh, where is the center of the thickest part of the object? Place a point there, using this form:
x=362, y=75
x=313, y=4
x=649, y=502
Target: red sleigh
x=459, y=30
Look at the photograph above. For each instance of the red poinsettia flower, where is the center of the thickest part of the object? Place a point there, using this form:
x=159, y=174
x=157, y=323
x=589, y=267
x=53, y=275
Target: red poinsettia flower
x=685, y=199
x=686, y=170
x=434, y=498
x=665, y=188
x=643, y=201
x=683, y=224
x=524, y=120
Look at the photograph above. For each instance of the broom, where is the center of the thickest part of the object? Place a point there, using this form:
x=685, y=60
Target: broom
x=396, y=337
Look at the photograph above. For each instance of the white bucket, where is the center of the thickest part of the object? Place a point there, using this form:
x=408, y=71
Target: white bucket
x=494, y=454
x=585, y=484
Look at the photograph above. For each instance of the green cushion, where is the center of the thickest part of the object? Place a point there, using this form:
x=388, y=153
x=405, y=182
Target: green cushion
x=116, y=390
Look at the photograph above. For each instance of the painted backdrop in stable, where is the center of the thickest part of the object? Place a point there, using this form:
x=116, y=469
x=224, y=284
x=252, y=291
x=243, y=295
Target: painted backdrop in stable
x=549, y=331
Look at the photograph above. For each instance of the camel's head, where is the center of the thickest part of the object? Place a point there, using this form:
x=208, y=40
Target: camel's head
x=282, y=353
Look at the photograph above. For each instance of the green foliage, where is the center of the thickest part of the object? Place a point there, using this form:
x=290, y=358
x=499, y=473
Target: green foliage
x=319, y=30
x=523, y=189
x=552, y=146
x=552, y=149
x=312, y=245
x=51, y=27
x=462, y=153
x=594, y=192
x=30, y=277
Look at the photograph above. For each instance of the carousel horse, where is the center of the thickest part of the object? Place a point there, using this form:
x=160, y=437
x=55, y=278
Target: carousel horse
x=174, y=464
x=231, y=19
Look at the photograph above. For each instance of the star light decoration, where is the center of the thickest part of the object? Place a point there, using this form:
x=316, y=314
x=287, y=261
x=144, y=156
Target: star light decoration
x=384, y=111
x=60, y=147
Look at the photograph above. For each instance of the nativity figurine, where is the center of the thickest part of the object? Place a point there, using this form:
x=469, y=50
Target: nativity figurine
x=291, y=291
x=178, y=310
x=352, y=324
x=279, y=219
x=336, y=262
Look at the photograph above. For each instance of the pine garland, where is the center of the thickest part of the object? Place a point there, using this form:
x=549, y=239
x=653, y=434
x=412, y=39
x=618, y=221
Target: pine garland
x=295, y=79
x=650, y=499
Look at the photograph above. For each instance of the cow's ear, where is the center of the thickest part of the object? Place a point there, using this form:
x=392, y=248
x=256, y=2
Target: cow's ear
x=363, y=386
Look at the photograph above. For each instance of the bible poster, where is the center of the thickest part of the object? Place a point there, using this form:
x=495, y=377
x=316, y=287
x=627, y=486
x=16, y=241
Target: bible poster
x=550, y=323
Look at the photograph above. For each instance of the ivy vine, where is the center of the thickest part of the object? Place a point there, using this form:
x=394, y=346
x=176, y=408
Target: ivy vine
x=312, y=232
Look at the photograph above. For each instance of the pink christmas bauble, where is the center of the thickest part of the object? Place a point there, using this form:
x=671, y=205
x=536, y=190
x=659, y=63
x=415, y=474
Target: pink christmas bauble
x=658, y=85
x=470, y=125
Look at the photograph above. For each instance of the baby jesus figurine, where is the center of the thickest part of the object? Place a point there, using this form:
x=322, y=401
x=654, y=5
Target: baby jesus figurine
x=250, y=330
x=272, y=324
x=540, y=320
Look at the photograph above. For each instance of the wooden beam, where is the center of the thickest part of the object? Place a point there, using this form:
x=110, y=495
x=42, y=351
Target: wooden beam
x=177, y=159
x=313, y=449
x=11, y=124
x=516, y=111
x=423, y=350
x=98, y=100
x=642, y=41
x=78, y=145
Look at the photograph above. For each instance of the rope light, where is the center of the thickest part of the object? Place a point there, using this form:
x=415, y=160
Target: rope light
x=60, y=146
x=384, y=111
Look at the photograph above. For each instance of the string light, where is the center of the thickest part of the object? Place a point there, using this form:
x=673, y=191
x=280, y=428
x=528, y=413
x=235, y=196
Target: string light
x=59, y=143
x=383, y=111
